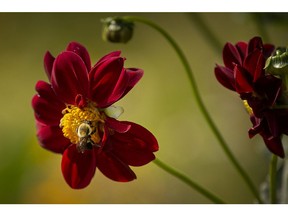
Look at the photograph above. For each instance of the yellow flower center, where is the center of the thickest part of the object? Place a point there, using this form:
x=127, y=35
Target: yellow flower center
x=82, y=126
x=248, y=108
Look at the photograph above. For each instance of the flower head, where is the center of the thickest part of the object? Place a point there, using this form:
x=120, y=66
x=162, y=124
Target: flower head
x=75, y=116
x=260, y=90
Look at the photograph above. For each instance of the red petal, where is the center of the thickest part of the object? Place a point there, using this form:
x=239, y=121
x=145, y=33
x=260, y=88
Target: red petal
x=273, y=123
x=81, y=51
x=243, y=82
x=257, y=126
x=119, y=88
x=274, y=144
x=126, y=82
x=225, y=76
x=46, y=105
x=242, y=49
x=45, y=112
x=69, y=77
x=134, y=75
x=78, y=169
x=138, y=132
x=45, y=90
x=135, y=147
x=48, y=64
x=118, y=126
x=270, y=86
x=254, y=64
x=113, y=168
x=254, y=44
x=104, y=78
x=231, y=56
x=51, y=138
x=259, y=71
x=108, y=56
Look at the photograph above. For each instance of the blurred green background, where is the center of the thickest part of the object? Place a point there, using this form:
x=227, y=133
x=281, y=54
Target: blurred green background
x=162, y=102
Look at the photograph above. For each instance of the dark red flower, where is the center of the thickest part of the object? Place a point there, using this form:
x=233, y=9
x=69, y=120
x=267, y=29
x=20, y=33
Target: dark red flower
x=75, y=116
x=271, y=128
x=244, y=65
x=244, y=73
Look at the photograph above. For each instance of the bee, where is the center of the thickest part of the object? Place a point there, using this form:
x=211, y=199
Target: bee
x=84, y=132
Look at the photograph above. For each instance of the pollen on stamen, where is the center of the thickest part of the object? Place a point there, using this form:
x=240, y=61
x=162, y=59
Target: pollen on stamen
x=73, y=117
x=248, y=108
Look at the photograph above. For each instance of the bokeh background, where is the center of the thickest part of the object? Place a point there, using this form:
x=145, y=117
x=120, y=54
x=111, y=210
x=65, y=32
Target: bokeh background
x=162, y=102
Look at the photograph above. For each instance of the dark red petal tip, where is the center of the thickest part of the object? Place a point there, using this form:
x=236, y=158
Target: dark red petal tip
x=69, y=77
x=46, y=105
x=108, y=56
x=274, y=144
x=78, y=169
x=45, y=112
x=140, y=133
x=134, y=75
x=81, y=51
x=48, y=64
x=225, y=76
x=243, y=80
x=113, y=168
x=51, y=138
x=43, y=87
x=255, y=44
x=231, y=56
x=105, y=80
x=135, y=147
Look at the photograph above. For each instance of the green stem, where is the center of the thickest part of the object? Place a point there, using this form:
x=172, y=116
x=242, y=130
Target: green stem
x=273, y=170
x=189, y=182
x=199, y=101
x=205, y=30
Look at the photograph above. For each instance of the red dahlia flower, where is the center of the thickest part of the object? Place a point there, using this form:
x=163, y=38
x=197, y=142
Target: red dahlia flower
x=75, y=116
x=260, y=91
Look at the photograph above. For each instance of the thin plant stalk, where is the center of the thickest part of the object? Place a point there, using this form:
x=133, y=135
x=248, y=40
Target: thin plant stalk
x=188, y=181
x=199, y=101
x=273, y=171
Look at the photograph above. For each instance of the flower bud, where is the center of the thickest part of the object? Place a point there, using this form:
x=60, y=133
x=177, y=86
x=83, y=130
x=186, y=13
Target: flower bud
x=277, y=64
x=117, y=30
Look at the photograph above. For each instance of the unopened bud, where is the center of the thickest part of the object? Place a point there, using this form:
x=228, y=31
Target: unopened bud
x=117, y=30
x=277, y=64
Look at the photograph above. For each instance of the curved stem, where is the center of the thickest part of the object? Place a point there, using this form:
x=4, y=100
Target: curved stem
x=273, y=170
x=199, y=101
x=188, y=181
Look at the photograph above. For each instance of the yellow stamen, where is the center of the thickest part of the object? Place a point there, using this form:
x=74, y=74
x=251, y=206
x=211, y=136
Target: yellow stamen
x=248, y=108
x=73, y=117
